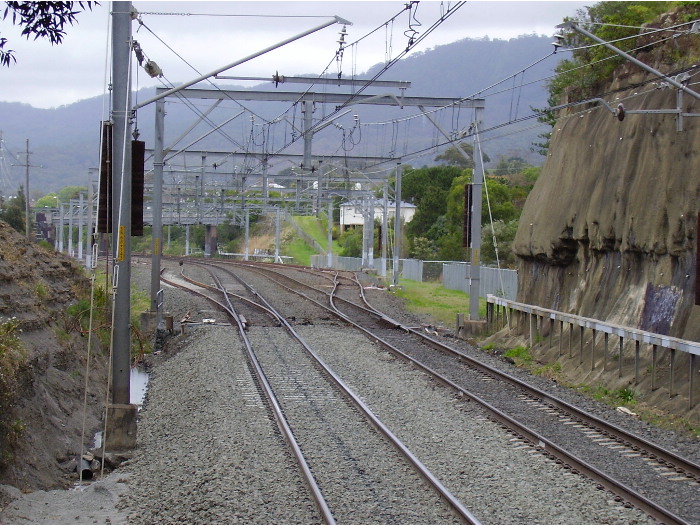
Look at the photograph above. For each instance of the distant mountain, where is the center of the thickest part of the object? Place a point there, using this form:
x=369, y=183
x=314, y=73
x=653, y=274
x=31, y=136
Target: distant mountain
x=64, y=140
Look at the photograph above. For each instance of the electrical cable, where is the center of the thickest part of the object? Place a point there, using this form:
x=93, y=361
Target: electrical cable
x=650, y=32
x=93, y=264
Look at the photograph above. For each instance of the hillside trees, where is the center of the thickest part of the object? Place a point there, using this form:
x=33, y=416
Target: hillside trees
x=436, y=230
x=591, y=66
x=12, y=211
x=452, y=157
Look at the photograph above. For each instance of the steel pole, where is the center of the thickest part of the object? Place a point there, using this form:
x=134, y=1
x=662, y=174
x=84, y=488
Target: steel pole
x=277, y=237
x=478, y=181
x=157, y=207
x=397, y=225
x=121, y=195
x=26, y=192
x=247, y=234
x=70, y=228
x=385, y=229
x=60, y=227
x=90, y=239
x=329, y=254
x=80, y=226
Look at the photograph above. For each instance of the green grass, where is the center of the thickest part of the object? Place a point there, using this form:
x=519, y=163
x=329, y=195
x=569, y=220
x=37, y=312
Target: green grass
x=317, y=229
x=301, y=251
x=436, y=301
x=521, y=355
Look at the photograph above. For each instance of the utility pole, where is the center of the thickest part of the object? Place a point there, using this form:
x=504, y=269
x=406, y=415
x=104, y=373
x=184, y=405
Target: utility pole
x=397, y=225
x=26, y=165
x=157, y=206
x=385, y=229
x=478, y=180
x=26, y=192
x=121, y=415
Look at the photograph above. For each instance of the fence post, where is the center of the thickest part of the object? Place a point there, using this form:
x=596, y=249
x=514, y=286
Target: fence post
x=691, y=385
x=619, y=361
x=605, y=356
x=672, y=374
x=561, y=335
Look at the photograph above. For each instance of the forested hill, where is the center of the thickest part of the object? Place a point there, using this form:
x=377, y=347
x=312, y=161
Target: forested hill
x=64, y=140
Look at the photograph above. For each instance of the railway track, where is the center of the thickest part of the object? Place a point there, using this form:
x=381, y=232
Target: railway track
x=661, y=483
x=331, y=432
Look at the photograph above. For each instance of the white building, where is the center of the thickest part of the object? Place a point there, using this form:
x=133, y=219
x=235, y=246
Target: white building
x=351, y=212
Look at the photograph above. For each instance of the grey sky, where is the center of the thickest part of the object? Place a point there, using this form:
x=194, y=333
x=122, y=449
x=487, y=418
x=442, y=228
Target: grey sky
x=50, y=76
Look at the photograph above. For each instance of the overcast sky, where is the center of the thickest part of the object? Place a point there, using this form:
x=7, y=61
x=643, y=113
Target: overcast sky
x=198, y=33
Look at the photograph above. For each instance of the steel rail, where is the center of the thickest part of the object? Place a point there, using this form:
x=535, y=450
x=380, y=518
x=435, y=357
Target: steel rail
x=278, y=414
x=690, y=468
x=579, y=465
x=239, y=297
x=451, y=500
x=640, y=501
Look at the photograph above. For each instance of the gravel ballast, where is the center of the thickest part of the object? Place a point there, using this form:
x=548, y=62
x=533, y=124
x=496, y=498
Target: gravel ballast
x=209, y=453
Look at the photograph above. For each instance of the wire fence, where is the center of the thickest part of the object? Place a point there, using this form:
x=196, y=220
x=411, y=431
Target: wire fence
x=453, y=275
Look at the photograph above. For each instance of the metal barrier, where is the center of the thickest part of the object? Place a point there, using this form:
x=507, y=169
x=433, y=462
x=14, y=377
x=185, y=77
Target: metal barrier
x=411, y=269
x=453, y=275
x=492, y=281
x=503, y=312
x=350, y=264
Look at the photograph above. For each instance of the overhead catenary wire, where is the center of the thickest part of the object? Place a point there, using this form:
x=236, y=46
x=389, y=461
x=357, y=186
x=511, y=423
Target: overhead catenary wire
x=382, y=70
x=412, y=23
x=622, y=39
x=267, y=126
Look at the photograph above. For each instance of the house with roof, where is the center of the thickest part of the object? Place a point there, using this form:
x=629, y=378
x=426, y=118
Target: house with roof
x=351, y=214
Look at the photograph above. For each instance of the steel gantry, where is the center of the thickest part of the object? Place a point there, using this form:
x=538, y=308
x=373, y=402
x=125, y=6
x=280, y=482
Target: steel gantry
x=307, y=99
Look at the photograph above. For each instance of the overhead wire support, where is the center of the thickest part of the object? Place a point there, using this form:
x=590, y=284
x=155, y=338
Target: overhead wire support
x=685, y=89
x=336, y=20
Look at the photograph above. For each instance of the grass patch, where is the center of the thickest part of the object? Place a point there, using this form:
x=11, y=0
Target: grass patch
x=299, y=250
x=620, y=397
x=317, y=229
x=521, y=355
x=436, y=301
x=550, y=371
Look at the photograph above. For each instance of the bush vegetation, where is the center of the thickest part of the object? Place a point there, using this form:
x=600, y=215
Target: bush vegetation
x=13, y=357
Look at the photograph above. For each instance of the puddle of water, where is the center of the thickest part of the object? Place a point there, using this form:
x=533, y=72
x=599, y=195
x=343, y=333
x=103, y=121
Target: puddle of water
x=138, y=383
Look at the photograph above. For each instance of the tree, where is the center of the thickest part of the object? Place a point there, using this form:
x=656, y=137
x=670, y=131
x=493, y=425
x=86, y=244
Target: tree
x=452, y=157
x=509, y=166
x=13, y=211
x=589, y=68
x=504, y=231
x=427, y=188
x=41, y=19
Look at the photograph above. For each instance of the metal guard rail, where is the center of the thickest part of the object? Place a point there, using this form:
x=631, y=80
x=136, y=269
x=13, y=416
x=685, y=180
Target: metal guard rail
x=664, y=341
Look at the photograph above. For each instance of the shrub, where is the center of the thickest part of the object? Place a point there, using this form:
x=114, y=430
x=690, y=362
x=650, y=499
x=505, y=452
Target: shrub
x=12, y=358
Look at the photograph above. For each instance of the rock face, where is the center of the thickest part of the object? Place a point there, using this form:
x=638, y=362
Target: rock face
x=610, y=229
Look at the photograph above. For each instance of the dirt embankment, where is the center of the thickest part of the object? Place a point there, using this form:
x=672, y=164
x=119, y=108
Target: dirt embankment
x=42, y=426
